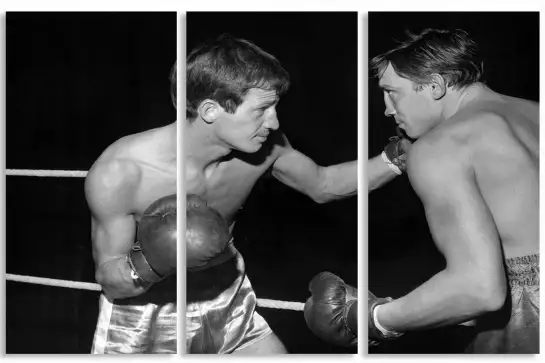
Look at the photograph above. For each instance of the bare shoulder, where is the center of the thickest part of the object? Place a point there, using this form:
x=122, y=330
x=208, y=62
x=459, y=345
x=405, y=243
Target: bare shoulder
x=432, y=161
x=442, y=157
x=113, y=180
x=445, y=155
x=279, y=144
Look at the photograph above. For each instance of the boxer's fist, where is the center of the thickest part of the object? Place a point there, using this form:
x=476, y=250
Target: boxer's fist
x=207, y=235
x=396, y=150
x=154, y=255
x=331, y=312
x=375, y=335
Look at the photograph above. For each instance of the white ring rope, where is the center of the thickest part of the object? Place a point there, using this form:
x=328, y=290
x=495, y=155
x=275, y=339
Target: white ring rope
x=47, y=173
x=54, y=282
x=264, y=303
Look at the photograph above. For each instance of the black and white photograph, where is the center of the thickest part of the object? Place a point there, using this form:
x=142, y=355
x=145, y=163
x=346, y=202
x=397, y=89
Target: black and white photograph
x=90, y=182
x=270, y=142
x=453, y=175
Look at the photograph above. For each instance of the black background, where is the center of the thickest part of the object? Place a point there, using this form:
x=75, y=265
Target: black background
x=76, y=82
x=401, y=251
x=284, y=237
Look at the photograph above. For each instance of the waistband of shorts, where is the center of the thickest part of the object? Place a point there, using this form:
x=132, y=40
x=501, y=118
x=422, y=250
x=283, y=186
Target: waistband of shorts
x=523, y=270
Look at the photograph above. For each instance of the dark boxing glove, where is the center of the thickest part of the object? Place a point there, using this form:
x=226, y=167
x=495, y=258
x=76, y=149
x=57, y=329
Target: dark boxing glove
x=375, y=333
x=332, y=311
x=153, y=257
x=394, y=152
x=207, y=236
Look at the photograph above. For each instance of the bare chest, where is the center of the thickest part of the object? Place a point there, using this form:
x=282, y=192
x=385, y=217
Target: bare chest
x=227, y=185
x=155, y=184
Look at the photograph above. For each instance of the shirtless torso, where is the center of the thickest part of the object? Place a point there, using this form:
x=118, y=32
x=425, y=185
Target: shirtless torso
x=494, y=139
x=477, y=176
x=226, y=185
x=130, y=175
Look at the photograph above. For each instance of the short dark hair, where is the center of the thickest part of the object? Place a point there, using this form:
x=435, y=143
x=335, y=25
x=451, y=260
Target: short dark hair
x=452, y=54
x=226, y=68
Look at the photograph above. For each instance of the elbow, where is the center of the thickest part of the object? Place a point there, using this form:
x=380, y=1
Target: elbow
x=102, y=279
x=108, y=285
x=489, y=296
x=321, y=193
x=320, y=197
x=493, y=298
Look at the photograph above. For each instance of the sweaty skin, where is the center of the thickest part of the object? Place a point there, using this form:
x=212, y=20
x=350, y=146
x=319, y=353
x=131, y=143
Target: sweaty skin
x=131, y=174
x=477, y=174
x=227, y=153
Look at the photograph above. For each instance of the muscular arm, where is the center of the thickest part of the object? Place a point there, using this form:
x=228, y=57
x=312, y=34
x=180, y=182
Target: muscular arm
x=473, y=281
x=322, y=184
x=378, y=173
x=109, y=189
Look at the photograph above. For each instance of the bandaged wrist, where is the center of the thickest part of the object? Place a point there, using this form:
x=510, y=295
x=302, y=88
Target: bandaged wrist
x=391, y=165
x=387, y=333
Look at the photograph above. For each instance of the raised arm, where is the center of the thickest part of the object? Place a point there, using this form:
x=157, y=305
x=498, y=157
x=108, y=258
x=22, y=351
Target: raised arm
x=110, y=190
x=463, y=229
x=322, y=184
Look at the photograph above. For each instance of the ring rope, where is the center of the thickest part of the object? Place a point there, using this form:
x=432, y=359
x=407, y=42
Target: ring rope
x=47, y=173
x=54, y=282
x=264, y=303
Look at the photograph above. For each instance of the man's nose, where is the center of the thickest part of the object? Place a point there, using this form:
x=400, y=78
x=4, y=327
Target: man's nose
x=272, y=122
x=390, y=110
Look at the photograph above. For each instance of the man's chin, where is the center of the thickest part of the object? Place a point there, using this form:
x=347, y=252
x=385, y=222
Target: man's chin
x=250, y=148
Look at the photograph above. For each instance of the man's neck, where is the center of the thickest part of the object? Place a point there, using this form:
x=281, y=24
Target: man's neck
x=168, y=143
x=456, y=99
x=201, y=145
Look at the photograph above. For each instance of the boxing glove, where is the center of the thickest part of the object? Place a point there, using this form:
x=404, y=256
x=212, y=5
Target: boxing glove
x=395, y=150
x=375, y=333
x=153, y=257
x=207, y=236
x=331, y=312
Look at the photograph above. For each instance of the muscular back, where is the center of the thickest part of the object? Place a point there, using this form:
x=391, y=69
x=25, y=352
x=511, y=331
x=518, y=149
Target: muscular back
x=490, y=148
x=507, y=171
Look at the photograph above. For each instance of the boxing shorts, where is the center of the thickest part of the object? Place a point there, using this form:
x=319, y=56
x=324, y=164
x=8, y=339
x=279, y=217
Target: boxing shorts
x=141, y=324
x=221, y=317
x=515, y=328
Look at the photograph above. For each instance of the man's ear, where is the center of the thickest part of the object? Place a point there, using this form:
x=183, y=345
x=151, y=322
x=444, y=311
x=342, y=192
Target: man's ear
x=209, y=110
x=437, y=86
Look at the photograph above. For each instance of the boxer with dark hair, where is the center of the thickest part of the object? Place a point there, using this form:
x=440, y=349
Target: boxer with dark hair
x=232, y=139
x=475, y=166
x=131, y=192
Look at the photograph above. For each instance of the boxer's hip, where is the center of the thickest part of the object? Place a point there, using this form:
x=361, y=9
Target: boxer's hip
x=514, y=329
x=222, y=319
x=144, y=324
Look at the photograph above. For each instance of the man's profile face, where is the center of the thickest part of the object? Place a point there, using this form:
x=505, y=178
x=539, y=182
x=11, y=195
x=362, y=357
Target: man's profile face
x=248, y=128
x=414, y=110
